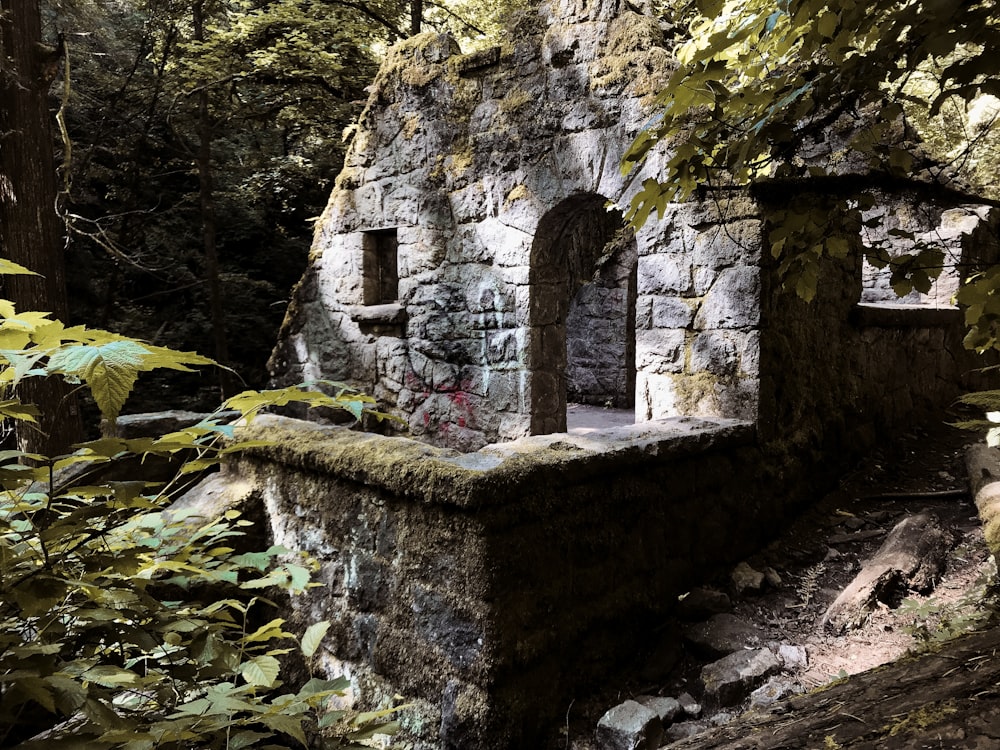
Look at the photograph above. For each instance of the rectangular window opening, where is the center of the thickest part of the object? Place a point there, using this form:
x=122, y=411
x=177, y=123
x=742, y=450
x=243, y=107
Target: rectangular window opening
x=380, y=267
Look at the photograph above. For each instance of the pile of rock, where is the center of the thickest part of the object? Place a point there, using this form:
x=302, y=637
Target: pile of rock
x=742, y=667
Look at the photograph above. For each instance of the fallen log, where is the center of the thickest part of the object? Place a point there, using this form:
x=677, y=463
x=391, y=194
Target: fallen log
x=911, y=558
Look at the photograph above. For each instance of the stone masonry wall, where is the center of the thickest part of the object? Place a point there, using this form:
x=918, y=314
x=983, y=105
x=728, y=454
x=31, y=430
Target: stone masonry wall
x=840, y=373
x=472, y=583
x=966, y=234
x=474, y=163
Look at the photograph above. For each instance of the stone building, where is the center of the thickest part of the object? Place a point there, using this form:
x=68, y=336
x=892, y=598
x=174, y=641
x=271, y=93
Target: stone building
x=472, y=270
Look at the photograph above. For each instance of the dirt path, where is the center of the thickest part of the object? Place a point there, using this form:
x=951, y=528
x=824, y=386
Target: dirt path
x=900, y=705
x=949, y=699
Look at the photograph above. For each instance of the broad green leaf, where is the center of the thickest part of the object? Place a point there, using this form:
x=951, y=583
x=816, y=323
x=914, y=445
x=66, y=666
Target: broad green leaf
x=261, y=671
x=110, y=370
x=312, y=638
x=11, y=268
x=16, y=410
x=290, y=725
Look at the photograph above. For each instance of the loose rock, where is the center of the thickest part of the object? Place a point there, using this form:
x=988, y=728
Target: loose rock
x=746, y=578
x=629, y=726
x=774, y=690
x=691, y=707
x=731, y=679
x=723, y=634
x=668, y=709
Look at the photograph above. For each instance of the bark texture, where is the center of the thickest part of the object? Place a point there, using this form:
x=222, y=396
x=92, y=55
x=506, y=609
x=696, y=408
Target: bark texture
x=31, y=232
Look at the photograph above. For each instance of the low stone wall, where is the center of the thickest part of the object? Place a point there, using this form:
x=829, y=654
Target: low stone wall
x=495, y=586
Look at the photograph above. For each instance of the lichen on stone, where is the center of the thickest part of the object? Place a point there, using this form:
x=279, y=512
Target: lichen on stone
x=517, y=193
x=416, y=62
x=634, y=55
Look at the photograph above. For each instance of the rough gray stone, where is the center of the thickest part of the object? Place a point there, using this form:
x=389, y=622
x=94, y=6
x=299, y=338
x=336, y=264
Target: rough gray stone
x=774, y=690
x=746, y=578
x=732, y=678
x=668, y=709
x=629, y=726
x=723, y=634
x=793, y=657
x=691, y=707
x=731, y=302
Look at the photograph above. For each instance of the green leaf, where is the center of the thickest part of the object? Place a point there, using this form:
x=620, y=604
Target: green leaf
x=290, y=725
x=16, y=410
x=99, y=713
x=10, y=268
x=261, y=671
x=111, y=676
x=313, y=637
x=110, y=370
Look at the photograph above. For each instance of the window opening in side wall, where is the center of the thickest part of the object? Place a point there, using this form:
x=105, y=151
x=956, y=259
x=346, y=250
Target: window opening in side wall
x=380, y=267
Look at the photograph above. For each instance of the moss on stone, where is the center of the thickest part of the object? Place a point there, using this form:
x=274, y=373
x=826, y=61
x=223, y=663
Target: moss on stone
x=411, y=125
x=416, y=62
x=691, y=389
x=634, y=56
x=514, y=101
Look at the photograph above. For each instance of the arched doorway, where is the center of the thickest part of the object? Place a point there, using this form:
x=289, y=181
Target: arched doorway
x=581, y=311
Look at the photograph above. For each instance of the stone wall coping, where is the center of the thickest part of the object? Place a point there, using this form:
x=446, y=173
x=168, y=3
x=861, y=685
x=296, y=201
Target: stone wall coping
x=495, y=474
x=897, y=315
x=389, y=313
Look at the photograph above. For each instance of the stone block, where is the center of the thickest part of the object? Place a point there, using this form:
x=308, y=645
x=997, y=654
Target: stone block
x=669, y=312
x=732, y=678
x=733, y=243
x=733, y=301
x=504, y=347
x=656, y=396
x=660, y=351
x=629, y=726
x=446, y=626
x=367, y=583
x=713, y=352
x=503, y=389
x=664, y=274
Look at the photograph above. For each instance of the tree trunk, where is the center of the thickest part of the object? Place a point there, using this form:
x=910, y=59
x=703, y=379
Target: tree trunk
x=31, y=232
x=416, y=16
x=207, y=204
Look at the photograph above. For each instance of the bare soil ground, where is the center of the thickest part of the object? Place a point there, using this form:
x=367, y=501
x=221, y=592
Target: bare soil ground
x=819, y=555
x=824, y=549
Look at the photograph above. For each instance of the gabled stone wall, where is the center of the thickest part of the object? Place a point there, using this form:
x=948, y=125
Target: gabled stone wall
x=491, y=172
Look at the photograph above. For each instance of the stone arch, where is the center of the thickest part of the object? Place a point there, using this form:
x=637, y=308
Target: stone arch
x=581, y=312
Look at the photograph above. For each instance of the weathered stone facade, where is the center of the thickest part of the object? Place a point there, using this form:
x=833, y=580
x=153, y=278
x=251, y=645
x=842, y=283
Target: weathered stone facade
x=515, y=288
x=472, y=271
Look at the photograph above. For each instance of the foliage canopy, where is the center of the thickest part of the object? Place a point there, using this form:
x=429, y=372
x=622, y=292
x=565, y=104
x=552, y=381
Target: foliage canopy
x=124, y=623
x=761, y=83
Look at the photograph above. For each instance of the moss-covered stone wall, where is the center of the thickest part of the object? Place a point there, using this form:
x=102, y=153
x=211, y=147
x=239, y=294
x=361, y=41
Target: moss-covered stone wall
x=476, y=583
